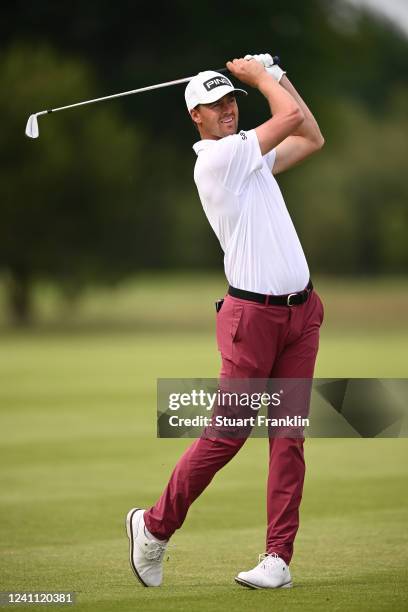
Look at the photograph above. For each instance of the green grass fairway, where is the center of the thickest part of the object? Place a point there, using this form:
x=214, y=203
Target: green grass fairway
x=78, y=449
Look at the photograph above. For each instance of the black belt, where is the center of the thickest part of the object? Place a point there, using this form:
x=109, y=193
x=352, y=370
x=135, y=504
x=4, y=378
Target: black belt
x=292, y=299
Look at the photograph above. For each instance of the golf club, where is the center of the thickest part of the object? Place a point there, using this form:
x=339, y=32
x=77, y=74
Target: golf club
x=32, y=124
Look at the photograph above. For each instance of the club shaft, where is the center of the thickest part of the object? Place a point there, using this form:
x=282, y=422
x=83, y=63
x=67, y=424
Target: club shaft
x=125, y=93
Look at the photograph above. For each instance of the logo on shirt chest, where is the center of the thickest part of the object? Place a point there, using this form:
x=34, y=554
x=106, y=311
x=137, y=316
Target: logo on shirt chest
x=216, y=82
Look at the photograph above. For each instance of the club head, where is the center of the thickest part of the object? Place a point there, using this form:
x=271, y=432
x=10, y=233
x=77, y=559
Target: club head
x=32, y=127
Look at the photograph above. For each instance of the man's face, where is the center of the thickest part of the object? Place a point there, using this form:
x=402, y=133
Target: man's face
x=217, y=119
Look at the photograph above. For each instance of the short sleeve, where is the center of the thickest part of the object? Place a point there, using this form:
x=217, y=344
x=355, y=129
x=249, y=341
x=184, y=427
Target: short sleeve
x=270, y=159
x=232, y=159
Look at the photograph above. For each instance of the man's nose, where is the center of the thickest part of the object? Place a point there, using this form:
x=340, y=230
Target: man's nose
x=227, y=105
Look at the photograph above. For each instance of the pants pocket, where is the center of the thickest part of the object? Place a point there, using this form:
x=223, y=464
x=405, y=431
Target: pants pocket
x=321, y=308
x=228, y=323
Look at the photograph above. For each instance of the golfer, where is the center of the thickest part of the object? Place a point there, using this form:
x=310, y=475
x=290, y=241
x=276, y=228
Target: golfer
x=268, y=325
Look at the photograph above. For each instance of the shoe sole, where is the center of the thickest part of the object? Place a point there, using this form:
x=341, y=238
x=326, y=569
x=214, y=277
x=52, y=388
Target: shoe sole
x=129, y=531
x=249, y=585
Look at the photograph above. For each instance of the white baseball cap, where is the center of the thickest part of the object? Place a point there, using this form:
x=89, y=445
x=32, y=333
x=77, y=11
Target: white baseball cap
x=207, y=87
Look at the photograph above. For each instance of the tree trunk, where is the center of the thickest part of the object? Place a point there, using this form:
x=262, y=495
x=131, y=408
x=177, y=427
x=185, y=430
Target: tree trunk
x=19, y=296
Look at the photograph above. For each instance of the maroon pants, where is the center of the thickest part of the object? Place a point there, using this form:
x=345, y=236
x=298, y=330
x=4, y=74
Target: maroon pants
x=255, y=341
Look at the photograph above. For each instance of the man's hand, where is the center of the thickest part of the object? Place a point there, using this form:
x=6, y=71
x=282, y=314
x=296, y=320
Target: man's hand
x=263, y=58
x=249, y=72
x=271, y=68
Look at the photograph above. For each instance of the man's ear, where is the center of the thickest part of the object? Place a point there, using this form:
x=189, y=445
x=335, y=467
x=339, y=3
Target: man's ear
x=195, y=116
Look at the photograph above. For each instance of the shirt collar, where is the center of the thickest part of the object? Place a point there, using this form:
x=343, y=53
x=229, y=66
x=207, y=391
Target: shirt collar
x=203, y=144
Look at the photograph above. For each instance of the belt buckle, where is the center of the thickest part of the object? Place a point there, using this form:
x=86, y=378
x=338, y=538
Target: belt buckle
x=288, y=299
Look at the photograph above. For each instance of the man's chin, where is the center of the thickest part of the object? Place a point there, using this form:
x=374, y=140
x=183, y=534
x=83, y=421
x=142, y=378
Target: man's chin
x=229, y=129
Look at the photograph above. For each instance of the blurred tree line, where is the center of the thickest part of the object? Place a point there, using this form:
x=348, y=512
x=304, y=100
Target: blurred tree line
x=107, y=189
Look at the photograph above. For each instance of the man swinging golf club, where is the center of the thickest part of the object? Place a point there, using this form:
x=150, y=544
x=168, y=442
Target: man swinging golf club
x=268, y=326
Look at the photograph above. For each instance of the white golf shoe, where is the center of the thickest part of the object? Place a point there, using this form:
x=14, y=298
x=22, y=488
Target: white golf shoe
x=146, y=554
x=271, y=573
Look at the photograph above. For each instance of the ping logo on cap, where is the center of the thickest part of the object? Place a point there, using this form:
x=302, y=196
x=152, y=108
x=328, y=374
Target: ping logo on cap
x=216, y=82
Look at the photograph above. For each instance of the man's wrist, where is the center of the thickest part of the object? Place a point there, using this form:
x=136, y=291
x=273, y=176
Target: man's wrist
x=265, y=80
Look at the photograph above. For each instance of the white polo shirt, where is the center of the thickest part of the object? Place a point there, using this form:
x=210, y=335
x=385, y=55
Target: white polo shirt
x=246, y=210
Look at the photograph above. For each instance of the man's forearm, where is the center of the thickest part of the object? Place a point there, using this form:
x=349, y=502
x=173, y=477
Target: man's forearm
x=279, y=101
x=309, y=128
